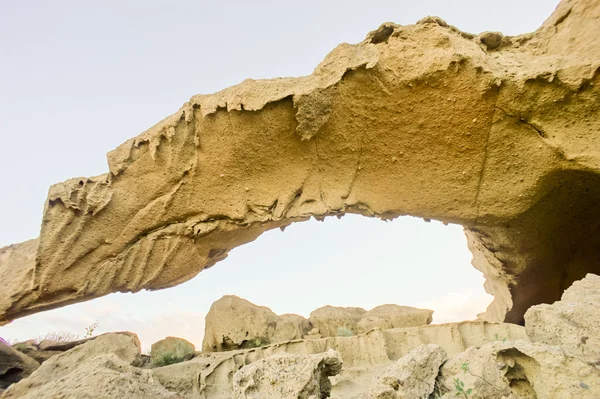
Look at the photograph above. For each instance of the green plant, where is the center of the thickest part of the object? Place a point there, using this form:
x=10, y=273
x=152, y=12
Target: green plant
x=89, y=330
x=459, y=385
x=344, y=332
x=254, y=343
x=165, y=359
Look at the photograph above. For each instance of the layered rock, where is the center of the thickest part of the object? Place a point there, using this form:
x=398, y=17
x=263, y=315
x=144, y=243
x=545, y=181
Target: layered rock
x=394, y=316
x=496, y=133
x=573, y=322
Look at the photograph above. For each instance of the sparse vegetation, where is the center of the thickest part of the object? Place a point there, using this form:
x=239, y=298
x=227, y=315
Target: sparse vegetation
x=58, y=336
x=344, y=332
x=255, y=343
x=89, y=330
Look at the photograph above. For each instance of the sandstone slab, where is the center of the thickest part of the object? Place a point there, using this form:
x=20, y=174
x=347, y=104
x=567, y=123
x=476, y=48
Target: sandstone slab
x=394, y=316
x=332, y=321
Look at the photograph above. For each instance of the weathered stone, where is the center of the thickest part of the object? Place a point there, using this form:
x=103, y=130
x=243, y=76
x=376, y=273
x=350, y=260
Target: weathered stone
x=234, y=323
x=522, y=369
x=365, y=357
x=291, y=327
x=287, y=376
x=394, y=316
x=14, y=365
x=332, y=321
x=171, y=350
x=413, y=376
x=100, y=368
x=573, y=322
x=511, y=153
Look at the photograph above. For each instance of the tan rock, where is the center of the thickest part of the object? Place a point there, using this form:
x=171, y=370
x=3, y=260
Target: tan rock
x=286, y=376
x=573, y=322
x=413, y=376
x=415, y=120
x=171, y=350
x=234, y=323
x=14, y=366
x=394, y=316
x=291, y=327
x=365, y=357
x=100, y=368
x=522, y=369
x=332, y=321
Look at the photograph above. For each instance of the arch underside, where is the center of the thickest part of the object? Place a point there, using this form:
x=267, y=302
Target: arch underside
x=428, y=122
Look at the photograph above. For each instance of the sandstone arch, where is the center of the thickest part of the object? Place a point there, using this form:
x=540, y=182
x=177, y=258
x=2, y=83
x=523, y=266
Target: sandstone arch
x=499, y=134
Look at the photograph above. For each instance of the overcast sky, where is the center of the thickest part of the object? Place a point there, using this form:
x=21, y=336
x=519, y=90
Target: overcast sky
x=77, y=78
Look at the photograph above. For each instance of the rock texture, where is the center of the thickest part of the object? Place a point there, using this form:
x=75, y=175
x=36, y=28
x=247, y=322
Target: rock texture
x=413, y=376
x=573, y=322
x=365, y=357
x=394, y=316
x=332, y=321
x=496, y=133
x=234, y=323
x=171, y=350
x=14, y=366
x=100, y=368
x=285, y=376
x=522, y=369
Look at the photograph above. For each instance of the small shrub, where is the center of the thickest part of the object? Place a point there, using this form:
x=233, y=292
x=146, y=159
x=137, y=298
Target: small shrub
x=89, y=330
x=255, y=343
x=344, y=332
x=165, y=359
x=58, y=336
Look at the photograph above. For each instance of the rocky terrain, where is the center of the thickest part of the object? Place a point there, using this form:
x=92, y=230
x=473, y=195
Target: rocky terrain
x=496, y=133
x=556, y=355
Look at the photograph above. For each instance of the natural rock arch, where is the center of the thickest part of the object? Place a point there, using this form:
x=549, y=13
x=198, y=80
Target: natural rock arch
x=499, y=134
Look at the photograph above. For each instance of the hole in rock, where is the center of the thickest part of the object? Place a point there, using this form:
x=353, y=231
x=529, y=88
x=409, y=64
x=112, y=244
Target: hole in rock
x=352, y=262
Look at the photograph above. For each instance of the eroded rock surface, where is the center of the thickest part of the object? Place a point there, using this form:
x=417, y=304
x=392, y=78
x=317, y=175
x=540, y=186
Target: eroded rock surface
x=287, y=376
x=235, y=323
x=573, y=322
x=496, y=133
x=394, y=316
x=523, y=369
x=413, y=376
x=14, y=366
x=333, y=321
x=100, y=368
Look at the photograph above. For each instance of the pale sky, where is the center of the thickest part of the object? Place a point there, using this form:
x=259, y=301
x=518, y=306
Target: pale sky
x=77, y=78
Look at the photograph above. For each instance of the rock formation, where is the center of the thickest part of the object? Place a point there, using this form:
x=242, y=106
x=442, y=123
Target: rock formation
x=287, y=376
x=413, y=376
x=573, y=322
x=496, y=133
x=171, y=350
x=234, y=323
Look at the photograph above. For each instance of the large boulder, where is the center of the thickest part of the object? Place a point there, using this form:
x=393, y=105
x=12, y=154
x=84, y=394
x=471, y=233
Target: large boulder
x=332, y=321
x=100, y=368
x=235, y=323
x=522, y=369
x=14, y=365
x=413, y=376
x=286, y=376
x=394, y=316
x=171, y=350
x=573, y=322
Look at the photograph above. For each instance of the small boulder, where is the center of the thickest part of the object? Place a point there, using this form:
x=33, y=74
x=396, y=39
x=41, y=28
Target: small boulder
x=286, y=376
x=100, y=368
x=334, y=321
x=413, y=376
x=171, y=350
x=394, y=316
x=14, y=366
x=573, y=322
